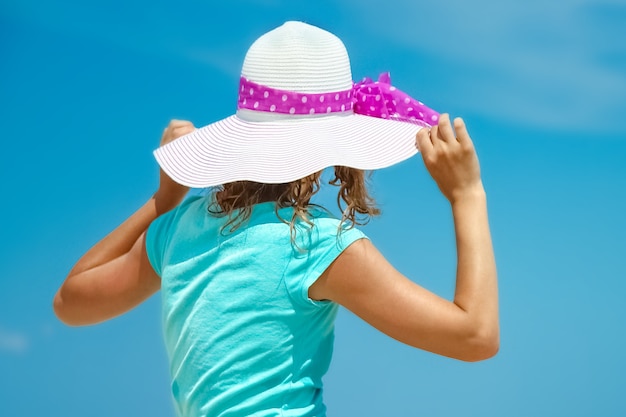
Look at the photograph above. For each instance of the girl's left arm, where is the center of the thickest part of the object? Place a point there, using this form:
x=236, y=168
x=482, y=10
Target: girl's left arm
x=115, y=275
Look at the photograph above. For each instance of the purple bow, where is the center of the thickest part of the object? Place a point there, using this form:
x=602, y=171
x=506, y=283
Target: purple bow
x=381, y=99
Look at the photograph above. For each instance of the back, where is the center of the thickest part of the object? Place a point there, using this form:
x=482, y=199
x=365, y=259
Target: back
x=242, y=335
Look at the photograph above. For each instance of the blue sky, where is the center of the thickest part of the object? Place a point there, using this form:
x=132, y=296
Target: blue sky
x=87, y=88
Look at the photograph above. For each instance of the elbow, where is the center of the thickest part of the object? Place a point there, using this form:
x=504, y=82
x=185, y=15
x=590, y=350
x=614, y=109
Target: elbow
x=481, y=353
x=63, y=312
x=481, y=346
x=59, y=308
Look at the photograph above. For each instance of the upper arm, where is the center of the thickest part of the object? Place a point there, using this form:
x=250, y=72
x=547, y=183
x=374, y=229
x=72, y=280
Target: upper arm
x=364, y=282
x=107, y=290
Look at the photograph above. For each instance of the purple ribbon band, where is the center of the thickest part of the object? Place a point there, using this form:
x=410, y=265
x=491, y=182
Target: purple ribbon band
x=369, y=98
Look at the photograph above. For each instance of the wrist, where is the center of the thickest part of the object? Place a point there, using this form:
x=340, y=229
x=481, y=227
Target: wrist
x=475, y=193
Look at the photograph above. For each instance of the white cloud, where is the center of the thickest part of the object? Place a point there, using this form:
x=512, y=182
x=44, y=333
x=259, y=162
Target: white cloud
x=13, y=342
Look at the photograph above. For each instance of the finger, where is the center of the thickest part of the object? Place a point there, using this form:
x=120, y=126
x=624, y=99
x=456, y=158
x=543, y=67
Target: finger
x=182, y=131
x=444, y=130
x=186, y=126
x=434, y=134
x=423, y=142
x=174, y=123
x=180, y=127
x=462, y=134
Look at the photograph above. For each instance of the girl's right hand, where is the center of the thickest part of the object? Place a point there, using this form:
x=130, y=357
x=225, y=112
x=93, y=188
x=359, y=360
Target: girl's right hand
x=450, y=158
x=115, y=275
x=170, y=192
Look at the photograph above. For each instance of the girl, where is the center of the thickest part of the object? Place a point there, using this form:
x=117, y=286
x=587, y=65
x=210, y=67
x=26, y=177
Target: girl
x=251, y=276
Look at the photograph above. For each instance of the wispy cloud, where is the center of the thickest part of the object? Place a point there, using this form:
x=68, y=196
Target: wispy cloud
x=141, y=27
x=548, y=63
x=553, y=64
x=13, y=342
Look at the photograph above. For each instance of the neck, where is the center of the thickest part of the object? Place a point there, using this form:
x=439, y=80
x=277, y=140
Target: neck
x=242, y=194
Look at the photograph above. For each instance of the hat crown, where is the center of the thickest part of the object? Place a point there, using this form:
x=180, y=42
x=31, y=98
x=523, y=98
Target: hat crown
x=296, y=65
x=299, y=57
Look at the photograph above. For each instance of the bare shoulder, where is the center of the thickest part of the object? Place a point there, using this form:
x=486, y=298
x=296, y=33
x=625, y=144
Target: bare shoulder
x=364, y=282
x=359, y=269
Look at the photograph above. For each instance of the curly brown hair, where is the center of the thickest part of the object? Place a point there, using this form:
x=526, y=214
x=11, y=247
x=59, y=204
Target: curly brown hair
x=353, y=198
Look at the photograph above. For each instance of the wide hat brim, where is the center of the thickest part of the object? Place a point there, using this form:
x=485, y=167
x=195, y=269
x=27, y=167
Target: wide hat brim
x=235, y=149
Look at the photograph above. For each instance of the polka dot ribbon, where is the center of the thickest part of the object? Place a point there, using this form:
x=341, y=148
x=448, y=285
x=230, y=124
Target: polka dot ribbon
x=369, y=98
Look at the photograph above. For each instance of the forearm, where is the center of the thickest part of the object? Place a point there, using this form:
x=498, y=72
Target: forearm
x=121, y=240
x=112, y=277
x=476, y=287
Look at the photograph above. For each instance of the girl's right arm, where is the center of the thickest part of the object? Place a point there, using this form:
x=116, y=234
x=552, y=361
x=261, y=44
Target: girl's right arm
x=363, y=281
x=115, y=275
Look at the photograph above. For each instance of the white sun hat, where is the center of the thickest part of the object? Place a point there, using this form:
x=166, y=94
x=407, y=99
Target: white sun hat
x=298, y=113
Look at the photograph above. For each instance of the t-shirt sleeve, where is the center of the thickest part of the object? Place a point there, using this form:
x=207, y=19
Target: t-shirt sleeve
x=315, y=254
x=160, y=232
x=157, y=236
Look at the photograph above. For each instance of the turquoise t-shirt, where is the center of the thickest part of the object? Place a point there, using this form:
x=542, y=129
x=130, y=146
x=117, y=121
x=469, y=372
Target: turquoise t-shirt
x=242, y=335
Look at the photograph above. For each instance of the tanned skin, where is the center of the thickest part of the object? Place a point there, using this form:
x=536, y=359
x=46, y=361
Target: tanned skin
x=115, y=275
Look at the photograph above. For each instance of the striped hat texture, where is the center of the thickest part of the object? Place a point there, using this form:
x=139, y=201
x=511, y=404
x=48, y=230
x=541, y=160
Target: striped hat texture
x=298, y=113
